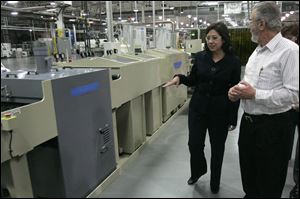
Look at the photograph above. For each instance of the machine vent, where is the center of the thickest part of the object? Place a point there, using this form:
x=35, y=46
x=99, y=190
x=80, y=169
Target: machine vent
x=105, y=133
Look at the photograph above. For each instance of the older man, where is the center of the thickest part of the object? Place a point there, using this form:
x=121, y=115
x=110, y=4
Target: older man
x=268, y=91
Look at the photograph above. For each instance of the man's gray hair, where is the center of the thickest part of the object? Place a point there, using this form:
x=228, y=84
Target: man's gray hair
x=270, y=12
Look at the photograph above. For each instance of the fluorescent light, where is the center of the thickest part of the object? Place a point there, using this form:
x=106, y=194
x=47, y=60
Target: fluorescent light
x=30, y=30
x=52, y=3
x=51, y=10
x=195, y=18
x=210, y=3
x=135, y=10
x=72, y=20
x=14, y=13
x=292, y=12
x=12, y=2
x=287, y=14
x=189, y=16
x=160, y=17
x=171, y=8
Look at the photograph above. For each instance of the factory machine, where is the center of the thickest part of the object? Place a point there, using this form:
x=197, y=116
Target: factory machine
x=132, y=78
x=173, y=62
x=153, y=98
x=56, y=132
x=139, y=103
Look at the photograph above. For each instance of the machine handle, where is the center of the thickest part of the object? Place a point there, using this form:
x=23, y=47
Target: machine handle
x=54, y=69
x=11, y=74
x=69, y=67
x=115, y=77
x=104, y=149
x=32, y=72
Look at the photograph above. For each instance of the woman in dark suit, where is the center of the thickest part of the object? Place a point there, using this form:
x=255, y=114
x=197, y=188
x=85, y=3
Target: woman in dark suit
x=215, y=70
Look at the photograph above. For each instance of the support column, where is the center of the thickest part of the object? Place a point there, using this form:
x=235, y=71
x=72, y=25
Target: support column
x=60, y=25
x=143, y=12
x=109, y=20
x=153, y=18
x=74, y=33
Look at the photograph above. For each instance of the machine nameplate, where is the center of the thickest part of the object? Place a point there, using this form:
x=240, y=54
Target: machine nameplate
x=85, y=89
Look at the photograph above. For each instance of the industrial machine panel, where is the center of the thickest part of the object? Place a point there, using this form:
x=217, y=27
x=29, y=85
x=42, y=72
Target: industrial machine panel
x=82, y=160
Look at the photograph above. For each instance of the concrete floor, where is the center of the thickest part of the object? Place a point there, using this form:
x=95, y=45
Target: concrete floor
x=162, y=168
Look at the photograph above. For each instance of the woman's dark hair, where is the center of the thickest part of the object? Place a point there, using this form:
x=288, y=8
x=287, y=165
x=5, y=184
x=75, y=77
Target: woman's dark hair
x=222, y=30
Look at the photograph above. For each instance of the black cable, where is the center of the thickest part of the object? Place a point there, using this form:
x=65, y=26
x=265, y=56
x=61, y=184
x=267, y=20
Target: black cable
x=10, y=144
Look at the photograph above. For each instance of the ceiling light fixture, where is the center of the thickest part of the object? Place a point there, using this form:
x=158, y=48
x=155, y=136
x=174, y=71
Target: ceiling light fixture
x=12, y=2
x=14, y=13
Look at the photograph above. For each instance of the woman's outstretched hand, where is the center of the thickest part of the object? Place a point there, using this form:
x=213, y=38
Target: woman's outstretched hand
x=174, y=81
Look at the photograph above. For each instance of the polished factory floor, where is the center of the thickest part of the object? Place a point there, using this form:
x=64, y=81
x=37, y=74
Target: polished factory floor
x=161, y=169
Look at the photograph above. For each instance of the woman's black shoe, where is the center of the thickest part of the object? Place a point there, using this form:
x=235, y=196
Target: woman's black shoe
x=214, y=189
x=192, y=181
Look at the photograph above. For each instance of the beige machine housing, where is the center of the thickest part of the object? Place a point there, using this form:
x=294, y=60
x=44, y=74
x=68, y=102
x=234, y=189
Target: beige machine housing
x=137, y=93
x=173, y=62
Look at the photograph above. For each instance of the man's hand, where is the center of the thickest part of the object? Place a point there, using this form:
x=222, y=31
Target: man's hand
x=233, y=94
x=296, y=107
x=242, y=90
x=174, y=81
